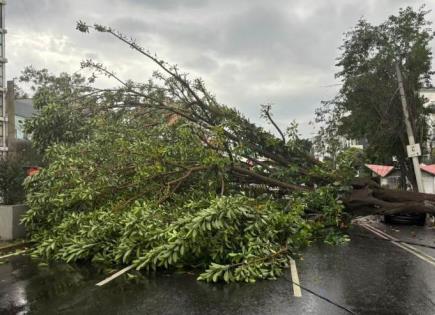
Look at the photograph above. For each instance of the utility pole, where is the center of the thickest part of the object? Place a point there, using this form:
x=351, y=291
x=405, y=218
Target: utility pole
x=414, y=150
x=10, y=111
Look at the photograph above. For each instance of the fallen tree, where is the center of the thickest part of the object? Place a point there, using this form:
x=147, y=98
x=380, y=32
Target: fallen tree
x=166, y=177
x=368, y=198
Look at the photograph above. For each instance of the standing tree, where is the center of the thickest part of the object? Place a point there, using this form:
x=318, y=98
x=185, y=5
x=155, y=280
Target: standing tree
x=368, y=105
x=59, y=99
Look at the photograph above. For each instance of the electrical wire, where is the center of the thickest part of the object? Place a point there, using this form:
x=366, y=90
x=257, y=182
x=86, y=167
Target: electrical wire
x=362, y=236
x=321, y=296
x=397, y=241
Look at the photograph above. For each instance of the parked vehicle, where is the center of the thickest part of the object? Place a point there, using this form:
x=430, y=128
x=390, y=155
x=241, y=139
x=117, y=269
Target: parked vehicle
x=412, y=218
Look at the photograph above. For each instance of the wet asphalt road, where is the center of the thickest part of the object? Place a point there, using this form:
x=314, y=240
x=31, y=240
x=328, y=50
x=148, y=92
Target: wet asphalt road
x=366, y=276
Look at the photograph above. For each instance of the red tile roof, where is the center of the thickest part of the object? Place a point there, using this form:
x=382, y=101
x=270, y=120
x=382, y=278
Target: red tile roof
x=381, y=170
x=384, y=170
x=428, y=168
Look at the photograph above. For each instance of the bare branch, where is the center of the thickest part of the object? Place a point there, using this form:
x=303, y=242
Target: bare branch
x=266, y=114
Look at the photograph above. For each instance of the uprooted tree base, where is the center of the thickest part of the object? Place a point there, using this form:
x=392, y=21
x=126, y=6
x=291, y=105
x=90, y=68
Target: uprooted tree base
x=173, y=179
x=367, y=198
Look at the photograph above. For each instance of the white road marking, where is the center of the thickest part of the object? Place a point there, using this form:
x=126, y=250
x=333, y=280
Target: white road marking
x=14, y=254
x=115, y=275
x=410, y=249
x=405, y=246
x=295, y=279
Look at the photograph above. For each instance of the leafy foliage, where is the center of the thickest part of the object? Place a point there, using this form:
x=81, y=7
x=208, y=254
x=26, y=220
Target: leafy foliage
x=351, y=162
x=106, y=201
x=11, y=178
x=66, y=107
x=166, y=177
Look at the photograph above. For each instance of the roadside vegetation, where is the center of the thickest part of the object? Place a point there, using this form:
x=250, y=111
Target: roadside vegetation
x=13, y=172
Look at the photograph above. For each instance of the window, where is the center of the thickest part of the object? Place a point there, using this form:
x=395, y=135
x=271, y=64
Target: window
x=1, y=103
x=19, y=127
x=1, y=74
x=393, y=182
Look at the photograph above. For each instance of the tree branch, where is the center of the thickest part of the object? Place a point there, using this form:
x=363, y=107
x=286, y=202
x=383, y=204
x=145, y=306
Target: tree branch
x=266, y=112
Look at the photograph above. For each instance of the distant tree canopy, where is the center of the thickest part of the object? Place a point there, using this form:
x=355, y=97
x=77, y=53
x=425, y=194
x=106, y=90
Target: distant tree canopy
x=65, y=103
x=351, y=162
x=368, y=105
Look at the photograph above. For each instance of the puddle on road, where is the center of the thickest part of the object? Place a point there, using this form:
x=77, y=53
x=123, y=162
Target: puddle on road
x=26, y=287
x=23, y=283
x=29, y=287
x=365, y=275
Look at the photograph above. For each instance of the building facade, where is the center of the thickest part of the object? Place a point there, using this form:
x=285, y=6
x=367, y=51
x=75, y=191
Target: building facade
x=23, y=110
x=13, y=112
x=429, y=94
x=3, y=111
x=388, y=176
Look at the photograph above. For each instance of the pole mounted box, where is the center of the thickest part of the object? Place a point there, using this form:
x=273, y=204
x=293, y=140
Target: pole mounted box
x=413, y=150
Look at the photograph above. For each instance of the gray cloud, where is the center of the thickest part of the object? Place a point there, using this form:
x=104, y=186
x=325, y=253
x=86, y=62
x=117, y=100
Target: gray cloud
x=248, y=52
x=164, y=4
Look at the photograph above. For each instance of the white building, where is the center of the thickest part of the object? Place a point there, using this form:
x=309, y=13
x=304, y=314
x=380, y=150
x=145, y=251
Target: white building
x=428, y=177
x=23, y=110
x=390, y=177
x=429, y=94
x=387, y=175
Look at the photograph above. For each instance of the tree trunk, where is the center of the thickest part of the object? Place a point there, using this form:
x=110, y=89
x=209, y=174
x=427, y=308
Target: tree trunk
x=368, y=198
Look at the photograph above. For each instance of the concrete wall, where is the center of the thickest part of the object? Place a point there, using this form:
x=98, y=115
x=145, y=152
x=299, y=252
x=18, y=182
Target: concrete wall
x=428, y=183
x=391, y=181
x=10, y=227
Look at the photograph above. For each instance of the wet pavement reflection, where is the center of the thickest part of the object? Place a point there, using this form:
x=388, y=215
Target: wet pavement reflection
x=366, y=276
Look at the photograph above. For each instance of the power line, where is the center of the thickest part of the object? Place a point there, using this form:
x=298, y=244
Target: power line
x=397, y=241
x=321, y=296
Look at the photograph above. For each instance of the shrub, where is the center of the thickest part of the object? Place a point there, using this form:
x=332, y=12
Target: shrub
x=12, y=176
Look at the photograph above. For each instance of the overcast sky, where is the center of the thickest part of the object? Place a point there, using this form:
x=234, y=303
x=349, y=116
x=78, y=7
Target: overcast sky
x=248, y=52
